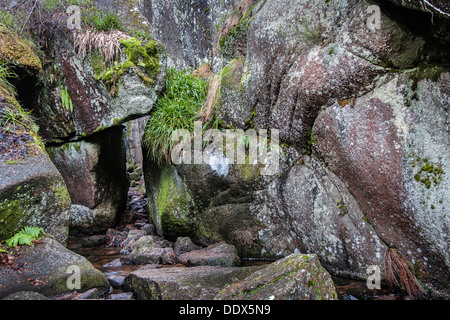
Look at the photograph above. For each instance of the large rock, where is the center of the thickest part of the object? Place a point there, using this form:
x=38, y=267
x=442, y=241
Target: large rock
x=296, y=277
x=25, y=296
x=390, y=148
x=187, y=30
x=310, y=209
x=219, y=254
x=174, y=283
x=44, y=269
x=98, y=101
x=205, y=203
x=32, y=191
x=95, y=173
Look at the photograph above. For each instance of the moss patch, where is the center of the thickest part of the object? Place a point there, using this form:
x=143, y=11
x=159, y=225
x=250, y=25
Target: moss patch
x=428, y=173
x=174, y=207
x=14, y=49
x=142, y=57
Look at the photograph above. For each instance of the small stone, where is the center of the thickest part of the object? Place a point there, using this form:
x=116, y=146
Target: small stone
x=112, y=264
x=219, y=254
x=183, y=245
x=168, y=257
x=121, y=296
x=135, y=176
x=116, y=281
x=93, y=241
x=92, y=294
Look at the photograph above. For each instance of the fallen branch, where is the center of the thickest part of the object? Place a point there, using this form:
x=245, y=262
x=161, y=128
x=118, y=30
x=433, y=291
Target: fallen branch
x=28, y=18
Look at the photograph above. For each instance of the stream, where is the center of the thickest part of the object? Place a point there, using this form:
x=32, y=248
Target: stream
x=347, y=289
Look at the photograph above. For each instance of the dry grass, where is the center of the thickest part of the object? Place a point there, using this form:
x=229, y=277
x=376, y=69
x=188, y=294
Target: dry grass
x=207, y=111
x=105, y=42
x=400, y=274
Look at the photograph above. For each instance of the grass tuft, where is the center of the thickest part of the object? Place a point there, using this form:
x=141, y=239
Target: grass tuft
x=177, y=109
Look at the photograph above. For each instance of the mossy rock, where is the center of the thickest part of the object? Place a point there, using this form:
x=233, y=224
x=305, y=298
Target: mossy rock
x=32, y=192
x=296, y=277
x=143, y=57
x=175, y=207
x=47, y=263
x=194, y=283
x=14, y=49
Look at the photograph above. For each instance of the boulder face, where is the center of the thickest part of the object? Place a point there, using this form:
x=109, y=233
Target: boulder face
x=96, y=104
x=48, y=265
x=32, y=191
x=390, y=149
x=296, y=277
x=95, y=173
x=309, y=209
x=187, y=30
x=195, y=283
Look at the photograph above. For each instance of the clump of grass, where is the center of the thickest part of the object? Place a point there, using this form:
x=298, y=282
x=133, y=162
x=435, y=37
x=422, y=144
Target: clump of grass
x=5, y=73
x=401, y=274
x=177, y=109
x=103, y=21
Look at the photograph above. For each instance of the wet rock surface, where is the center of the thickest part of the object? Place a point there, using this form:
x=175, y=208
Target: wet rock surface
x=195, y=283
x=43, y=269
x=296, y=277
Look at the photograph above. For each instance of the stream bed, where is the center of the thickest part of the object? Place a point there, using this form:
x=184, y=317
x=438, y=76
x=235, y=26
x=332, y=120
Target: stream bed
x=347, y=289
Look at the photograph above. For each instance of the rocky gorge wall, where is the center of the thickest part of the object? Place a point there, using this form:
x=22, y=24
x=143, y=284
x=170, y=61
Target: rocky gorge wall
x=363, y=121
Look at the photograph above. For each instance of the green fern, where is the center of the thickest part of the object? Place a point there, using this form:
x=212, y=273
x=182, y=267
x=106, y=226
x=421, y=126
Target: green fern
x=33, y=232
x=25, y=237
x=66, y=100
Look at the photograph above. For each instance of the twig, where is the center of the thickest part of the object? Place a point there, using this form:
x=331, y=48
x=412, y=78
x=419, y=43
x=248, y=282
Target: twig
x=28, y=18
x=425, y=2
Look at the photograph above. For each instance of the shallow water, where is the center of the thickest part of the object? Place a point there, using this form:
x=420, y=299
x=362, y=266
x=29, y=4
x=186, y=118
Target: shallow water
x=347, y=289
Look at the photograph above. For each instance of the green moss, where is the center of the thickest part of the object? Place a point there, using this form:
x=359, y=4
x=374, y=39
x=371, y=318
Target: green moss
x=14, y=162
x=174, y=207
x=143, y=58
x=62, y=194
x=249, y=172
x=10, y=216
x=311, y=140
x=17, y=50
x=428, y=173
x=97, y=63
x=100, y=129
